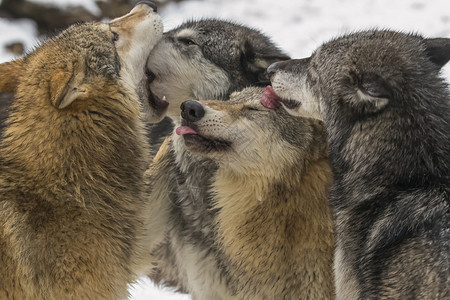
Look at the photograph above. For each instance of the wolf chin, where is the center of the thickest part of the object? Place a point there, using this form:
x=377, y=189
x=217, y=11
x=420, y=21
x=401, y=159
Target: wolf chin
x=387, y=113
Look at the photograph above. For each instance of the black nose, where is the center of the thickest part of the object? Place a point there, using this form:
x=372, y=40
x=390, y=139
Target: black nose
x=192, y=111
x=151, y=4
x=272, y=69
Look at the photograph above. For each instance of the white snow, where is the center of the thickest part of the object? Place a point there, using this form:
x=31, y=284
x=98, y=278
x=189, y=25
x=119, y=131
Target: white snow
x=145, y=289
x=297, y=26
x=11, y=31
x=301, y=26
x=90, y=5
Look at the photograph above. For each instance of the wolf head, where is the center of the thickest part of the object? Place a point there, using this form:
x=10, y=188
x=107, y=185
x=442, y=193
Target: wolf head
x=363, y=74
x=209, y=59
x=382, y=99
x=246, y=136
x=87, y=61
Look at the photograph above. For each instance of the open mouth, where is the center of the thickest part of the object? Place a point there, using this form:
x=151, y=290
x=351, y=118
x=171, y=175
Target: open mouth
x=150, y=76
x=158, y=104
x=271, y=100
x=197, y=142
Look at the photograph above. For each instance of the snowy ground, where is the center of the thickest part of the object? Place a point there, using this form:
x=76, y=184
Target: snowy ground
x=297, y=26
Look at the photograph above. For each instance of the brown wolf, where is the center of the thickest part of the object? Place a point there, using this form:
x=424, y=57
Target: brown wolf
x=272, y=225
x=74, y=219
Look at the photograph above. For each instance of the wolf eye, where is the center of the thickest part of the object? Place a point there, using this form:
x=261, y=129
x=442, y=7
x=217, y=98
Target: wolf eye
x=253, y=108
x=115, y=36
x=187, y=41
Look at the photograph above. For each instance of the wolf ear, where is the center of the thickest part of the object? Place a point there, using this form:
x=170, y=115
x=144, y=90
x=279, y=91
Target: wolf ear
x=372, y=95
x=65, y=86
x=256, y=58
x=438, y=50
x=9, y=75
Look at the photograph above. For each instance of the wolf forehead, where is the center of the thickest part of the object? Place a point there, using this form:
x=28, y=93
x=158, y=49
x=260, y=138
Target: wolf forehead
x=94, y=40
x=388, y=52
x=223, y=37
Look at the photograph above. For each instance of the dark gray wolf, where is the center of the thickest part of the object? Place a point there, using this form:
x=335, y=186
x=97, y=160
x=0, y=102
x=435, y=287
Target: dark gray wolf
x=271, y=233
x=206, y=59
x=187, y=60
x=387, y=112
x=75, y=220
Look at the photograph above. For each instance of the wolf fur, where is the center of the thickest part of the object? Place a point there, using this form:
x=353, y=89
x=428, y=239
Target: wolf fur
x=75, y=222
x=387, y=112
x=5, y=103
x=268, y=222
x=173, y=61
x=207, y=59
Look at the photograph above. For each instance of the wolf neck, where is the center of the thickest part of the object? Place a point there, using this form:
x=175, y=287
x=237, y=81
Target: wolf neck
x=254, y=212
x=245, y=192
x=402, y=149
x=61, y=152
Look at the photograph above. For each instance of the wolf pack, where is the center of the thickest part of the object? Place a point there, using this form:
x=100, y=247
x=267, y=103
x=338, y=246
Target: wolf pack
x=210, y=161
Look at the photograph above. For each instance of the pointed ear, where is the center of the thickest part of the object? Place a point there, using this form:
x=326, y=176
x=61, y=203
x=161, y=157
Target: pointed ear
x=9, y=75
x=438, y=50
x=65, y=86
x=256, y=58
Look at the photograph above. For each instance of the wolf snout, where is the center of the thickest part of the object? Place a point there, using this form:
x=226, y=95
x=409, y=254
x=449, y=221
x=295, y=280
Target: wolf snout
x=272, y=69
x=192, y=111
x=148, y=3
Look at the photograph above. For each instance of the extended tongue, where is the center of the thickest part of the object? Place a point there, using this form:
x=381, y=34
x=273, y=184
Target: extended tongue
x=182, y=130
x=270, y=99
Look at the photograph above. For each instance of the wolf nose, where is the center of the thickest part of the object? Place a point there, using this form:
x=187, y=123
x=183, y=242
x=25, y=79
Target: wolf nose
x=192, y=111
x=151, y=4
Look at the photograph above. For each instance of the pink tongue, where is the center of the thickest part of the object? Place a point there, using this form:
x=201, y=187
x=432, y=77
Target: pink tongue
x=182, y=130
x=270, y=99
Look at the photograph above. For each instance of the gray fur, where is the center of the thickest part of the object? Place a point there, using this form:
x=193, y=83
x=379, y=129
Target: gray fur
x=192, y=229
x=387, y=112
x=207, y=59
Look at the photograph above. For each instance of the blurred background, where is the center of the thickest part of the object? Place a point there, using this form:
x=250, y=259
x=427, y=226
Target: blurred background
x=297, y=26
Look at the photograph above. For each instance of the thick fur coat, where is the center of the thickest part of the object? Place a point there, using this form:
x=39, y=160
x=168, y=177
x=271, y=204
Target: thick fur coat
x=387, y=113
x=75, y=222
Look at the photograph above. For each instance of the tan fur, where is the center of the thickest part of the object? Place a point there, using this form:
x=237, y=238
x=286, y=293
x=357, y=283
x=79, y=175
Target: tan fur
x=274, y=224
x=285, y=236
x=74, y=219
x=9, y=75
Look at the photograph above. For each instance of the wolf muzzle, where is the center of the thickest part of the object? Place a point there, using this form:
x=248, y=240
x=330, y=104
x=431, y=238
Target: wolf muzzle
x=192, y=111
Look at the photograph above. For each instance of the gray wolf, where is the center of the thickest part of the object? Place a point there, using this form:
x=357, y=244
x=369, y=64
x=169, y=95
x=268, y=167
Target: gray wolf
x=387, y=113
x=270, y=235
x=75, y=220
x=206, y=59
x=197, y=48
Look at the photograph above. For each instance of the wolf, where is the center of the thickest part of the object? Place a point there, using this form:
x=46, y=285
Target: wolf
x=206, y=59
x=187, y=63
x=75, y=220
x=387, y=113
x=272, y=225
